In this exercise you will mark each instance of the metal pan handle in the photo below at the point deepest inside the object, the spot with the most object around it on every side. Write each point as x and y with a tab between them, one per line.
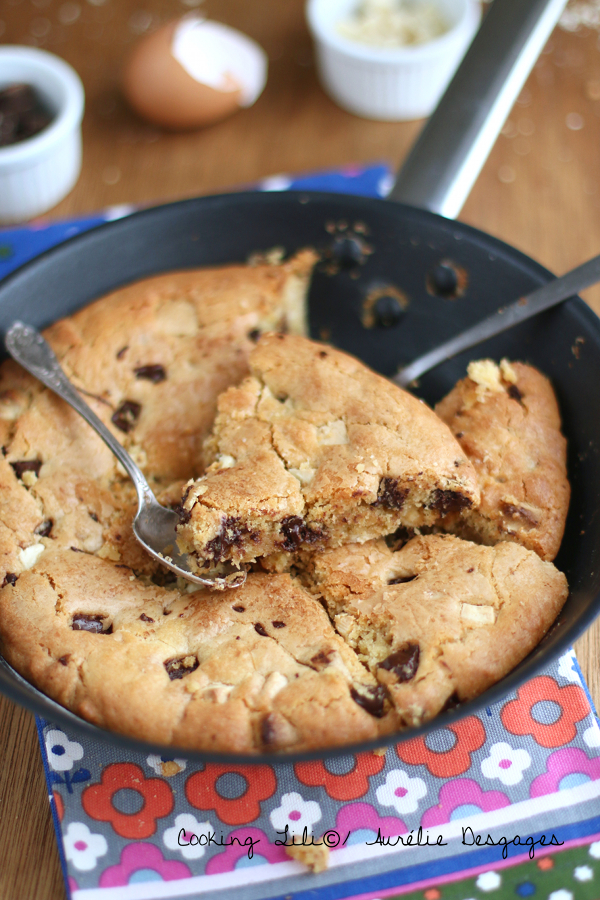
445	161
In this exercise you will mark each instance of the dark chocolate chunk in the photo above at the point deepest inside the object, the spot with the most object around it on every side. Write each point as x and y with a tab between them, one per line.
403	579
145	618
450	501
399	538
451	703
323	354
390	494
184	514
231	535
27	465
371	699
268	732
184	665
278	624
321	659
92	623
154	373
459	435
296	532
22	114
518	512
403	662
239	608
514	393
260	629
10	578
126	415
44	528
254	335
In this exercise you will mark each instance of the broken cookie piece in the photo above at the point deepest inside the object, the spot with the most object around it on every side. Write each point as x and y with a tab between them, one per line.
315	856
440	620
507	422
261	670
315	450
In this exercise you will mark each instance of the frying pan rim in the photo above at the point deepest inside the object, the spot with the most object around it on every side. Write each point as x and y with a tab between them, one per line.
21	691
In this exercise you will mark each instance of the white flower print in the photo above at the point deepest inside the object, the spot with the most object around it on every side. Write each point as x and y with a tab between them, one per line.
583	873
594	850
506	763
488	881
82	848
566	667
194	840
591	735
296	813
61	752
561	895
401	792
165	766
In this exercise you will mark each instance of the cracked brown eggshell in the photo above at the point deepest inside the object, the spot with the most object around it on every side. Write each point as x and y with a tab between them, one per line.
190	73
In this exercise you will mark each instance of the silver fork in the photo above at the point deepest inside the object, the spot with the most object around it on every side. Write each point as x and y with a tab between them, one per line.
542	298
154	525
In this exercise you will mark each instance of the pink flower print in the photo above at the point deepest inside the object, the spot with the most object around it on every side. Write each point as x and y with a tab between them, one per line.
565	768
140	863
461	798
236	855
364	822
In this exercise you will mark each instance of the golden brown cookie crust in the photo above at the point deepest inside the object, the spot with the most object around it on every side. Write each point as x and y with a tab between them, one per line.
440	620
315	450
258	669
507	422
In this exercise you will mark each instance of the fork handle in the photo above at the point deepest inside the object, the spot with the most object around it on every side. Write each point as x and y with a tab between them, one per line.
28	347
545	297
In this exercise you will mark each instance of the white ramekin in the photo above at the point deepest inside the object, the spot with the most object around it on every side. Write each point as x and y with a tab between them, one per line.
38	172
389	83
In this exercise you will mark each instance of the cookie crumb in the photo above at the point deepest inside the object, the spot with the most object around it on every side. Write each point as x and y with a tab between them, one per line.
486	373
107	551
380	751
314	856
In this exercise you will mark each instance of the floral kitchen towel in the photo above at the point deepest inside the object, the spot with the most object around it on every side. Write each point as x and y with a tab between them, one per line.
507	799
501	804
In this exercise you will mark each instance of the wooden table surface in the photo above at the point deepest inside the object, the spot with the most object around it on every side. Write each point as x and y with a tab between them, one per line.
539	190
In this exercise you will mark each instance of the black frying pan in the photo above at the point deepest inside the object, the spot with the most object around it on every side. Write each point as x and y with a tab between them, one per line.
414	255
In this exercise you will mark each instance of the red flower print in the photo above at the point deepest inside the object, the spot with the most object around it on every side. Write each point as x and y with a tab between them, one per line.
157	800
59	805
346	786
468	735
251	785
521	717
